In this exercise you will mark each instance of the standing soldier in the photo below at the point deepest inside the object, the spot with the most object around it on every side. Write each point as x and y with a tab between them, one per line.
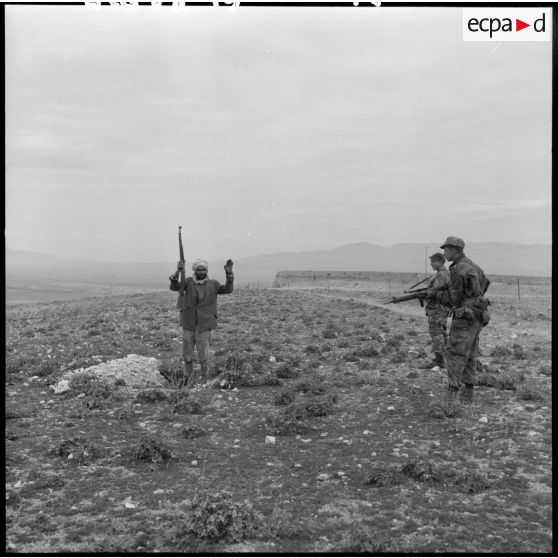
197	302
465	297
437	313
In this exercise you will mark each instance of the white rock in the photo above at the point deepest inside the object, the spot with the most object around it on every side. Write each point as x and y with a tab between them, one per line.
391	408
323	477
61	387
194	463
306	441
435	369
532	433
272	359
159	491
129	505
324	434
297	465
366	432
270	439
80	396
483	419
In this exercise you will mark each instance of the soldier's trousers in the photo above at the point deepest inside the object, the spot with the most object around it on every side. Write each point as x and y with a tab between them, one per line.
196	340
463	351
437	327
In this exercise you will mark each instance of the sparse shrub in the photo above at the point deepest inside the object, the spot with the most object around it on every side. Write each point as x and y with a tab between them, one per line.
510	379
445	408
530	391
469	482
91	385
399	356
394	342
285	397
283	422
545	370
420	471
343	344
77	449
14	364
501	351
310	385
173	371
519	352
312	349
151	396
286	371
192	431
151	448
329	334
120	382
368	351
187	405
380	475
485	378
312	406
363	538
216	517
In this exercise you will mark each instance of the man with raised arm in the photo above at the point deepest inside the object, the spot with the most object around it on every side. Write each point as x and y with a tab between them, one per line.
197	302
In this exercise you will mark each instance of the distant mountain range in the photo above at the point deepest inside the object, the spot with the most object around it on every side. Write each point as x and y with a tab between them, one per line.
494	258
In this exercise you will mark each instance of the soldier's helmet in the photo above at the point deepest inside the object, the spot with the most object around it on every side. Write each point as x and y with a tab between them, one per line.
438	256
453	241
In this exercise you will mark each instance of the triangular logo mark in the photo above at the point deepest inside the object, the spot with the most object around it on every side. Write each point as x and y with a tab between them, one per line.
519	25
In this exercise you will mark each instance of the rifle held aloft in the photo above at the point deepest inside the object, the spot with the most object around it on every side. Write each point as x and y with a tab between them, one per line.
182	260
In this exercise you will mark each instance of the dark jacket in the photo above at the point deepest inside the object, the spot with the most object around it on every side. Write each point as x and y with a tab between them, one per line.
198	303
468	283
441	281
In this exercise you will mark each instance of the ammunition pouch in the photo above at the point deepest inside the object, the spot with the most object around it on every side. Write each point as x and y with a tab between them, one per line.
477	310
464	313
481	309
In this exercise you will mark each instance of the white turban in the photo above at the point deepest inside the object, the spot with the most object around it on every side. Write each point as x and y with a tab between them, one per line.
199	263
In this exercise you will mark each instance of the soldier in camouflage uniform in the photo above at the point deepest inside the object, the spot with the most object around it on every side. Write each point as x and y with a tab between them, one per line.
437	313
465	297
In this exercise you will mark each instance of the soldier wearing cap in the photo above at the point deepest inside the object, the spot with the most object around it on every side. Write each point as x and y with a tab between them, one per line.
437	313
469	308
197	302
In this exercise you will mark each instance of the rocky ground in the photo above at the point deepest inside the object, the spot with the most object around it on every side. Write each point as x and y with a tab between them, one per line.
318	432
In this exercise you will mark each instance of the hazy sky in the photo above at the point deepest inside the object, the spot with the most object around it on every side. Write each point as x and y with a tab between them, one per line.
268	129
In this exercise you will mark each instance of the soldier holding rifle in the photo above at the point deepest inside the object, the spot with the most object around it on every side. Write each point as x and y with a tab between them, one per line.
437	313
197	302
469	307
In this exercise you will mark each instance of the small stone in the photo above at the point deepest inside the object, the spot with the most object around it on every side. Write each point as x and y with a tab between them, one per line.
306	441
194	463
532	433
391	408
323	477
159	491
323	434
80	396
269	439
366	432
297	465
483	419
272	359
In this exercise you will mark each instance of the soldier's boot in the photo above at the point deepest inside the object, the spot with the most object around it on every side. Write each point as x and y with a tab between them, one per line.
204	371
190	376
466	394
440	361
451	394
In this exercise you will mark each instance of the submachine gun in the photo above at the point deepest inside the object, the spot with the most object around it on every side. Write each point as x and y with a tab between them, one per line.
410	294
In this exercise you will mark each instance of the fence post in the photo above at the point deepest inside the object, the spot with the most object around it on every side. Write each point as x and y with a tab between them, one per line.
518	292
